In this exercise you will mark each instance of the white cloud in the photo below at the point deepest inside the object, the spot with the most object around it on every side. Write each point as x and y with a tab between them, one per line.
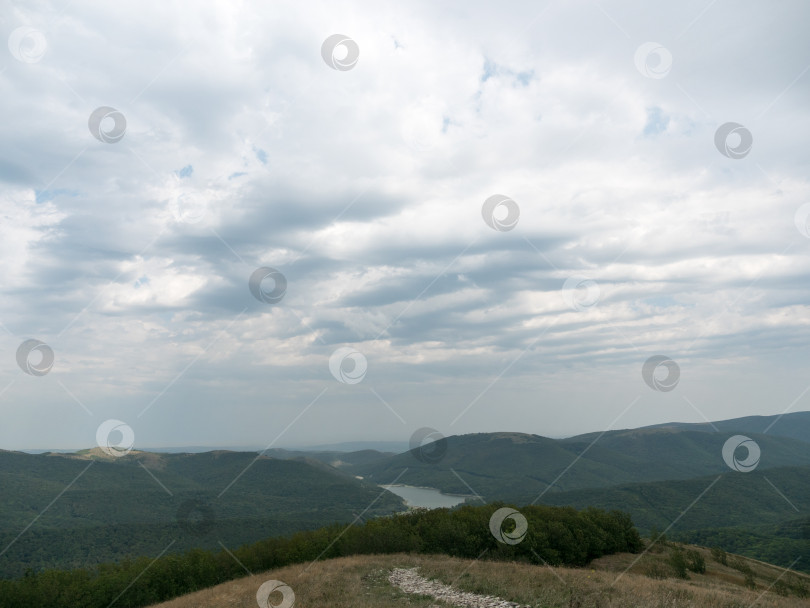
364	187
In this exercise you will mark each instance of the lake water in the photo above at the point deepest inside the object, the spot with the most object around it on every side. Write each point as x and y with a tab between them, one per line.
429	498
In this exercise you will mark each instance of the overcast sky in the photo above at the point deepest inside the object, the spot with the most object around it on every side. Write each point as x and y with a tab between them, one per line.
236	138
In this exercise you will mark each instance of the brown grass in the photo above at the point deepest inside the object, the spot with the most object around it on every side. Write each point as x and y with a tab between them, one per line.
361	582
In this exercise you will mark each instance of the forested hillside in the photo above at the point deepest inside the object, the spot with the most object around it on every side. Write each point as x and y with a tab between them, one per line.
514	466
553	535
145	503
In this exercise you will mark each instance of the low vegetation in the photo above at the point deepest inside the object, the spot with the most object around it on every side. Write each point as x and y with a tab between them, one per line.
616	581
556	536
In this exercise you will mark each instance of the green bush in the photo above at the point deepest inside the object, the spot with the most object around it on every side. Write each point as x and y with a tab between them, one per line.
781	588
741	565
749	580
695	561
678	563
744	567
656	569
720	556
797	585
657	537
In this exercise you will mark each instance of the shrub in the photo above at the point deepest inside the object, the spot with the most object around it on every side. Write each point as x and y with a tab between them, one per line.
655	569
658	539
744	567
720	556
695	561
781	588
749	580
740	564
677	561
797	585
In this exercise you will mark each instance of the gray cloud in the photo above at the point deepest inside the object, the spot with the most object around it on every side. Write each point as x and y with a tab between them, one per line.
364	188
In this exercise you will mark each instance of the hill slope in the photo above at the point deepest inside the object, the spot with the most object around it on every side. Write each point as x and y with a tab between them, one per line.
763	514
513	466
362	582
795	425
551	535
725	500
138	504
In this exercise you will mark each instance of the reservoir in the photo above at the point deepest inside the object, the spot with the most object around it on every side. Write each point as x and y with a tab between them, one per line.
429	498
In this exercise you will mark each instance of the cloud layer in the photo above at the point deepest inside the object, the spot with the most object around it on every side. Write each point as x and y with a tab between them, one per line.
243	148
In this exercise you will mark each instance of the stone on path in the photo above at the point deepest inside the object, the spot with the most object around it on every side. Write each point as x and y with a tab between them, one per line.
409	581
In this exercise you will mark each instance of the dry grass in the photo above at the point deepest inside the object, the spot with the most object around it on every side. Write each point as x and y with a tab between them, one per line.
361	582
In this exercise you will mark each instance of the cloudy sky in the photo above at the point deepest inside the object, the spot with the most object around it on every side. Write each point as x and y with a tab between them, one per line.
154	155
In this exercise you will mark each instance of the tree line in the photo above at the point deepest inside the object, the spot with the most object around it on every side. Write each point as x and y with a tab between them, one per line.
555	536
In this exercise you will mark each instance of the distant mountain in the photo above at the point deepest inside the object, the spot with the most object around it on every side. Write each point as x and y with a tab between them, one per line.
140	503
197	449
392	447
336	459
395	447
795	425
514	466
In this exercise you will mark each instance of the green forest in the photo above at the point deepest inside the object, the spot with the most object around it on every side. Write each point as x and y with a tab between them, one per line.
117	509
785	544
555	536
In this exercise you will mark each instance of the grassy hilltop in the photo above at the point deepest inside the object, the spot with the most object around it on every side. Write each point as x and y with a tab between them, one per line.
362	582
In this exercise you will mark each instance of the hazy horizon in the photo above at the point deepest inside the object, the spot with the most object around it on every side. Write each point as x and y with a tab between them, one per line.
312	224
403	443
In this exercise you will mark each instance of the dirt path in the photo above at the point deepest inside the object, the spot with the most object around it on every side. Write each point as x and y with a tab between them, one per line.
410	582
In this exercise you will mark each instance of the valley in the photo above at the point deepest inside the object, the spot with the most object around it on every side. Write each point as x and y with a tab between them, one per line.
671	480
